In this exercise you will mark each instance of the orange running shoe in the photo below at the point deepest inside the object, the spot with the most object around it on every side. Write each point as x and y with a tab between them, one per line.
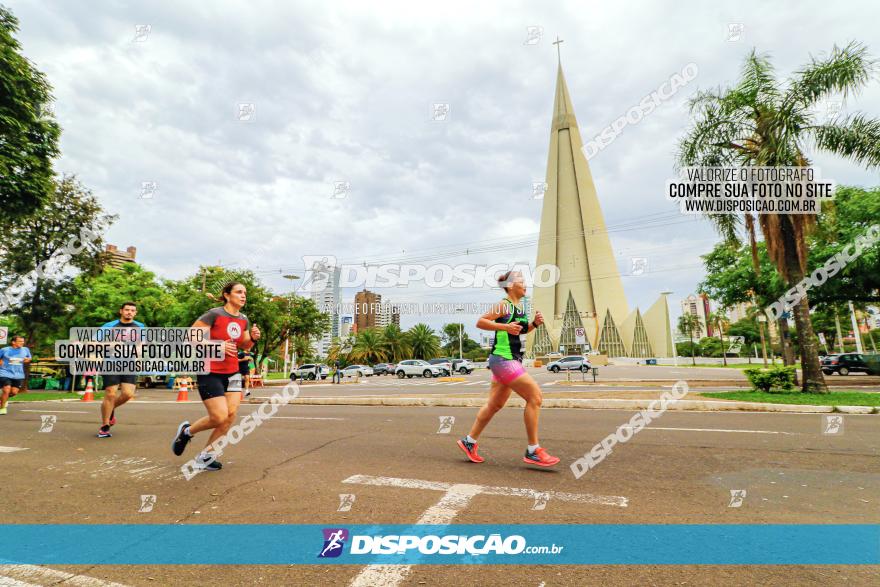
470	449
540	458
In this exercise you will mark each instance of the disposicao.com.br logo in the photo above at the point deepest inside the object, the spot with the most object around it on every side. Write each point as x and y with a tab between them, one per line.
448	544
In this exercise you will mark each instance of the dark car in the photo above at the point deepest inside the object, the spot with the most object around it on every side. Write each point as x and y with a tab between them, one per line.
844	364
383	369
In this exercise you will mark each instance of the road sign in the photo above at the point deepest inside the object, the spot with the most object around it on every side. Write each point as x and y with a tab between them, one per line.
580	335
736	343
4	335
822	339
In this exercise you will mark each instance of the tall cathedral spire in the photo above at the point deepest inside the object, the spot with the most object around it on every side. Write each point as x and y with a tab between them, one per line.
573	235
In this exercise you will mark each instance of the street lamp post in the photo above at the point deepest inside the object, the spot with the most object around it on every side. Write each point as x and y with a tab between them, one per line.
457	311
289	277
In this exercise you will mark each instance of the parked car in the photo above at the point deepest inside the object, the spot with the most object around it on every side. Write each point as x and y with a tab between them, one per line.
416	368
357	370
384	368
152	380
462	366
445	366
310	371
844	364
569	363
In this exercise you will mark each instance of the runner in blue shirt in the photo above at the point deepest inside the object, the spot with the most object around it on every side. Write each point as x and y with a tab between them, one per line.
128	383
12	361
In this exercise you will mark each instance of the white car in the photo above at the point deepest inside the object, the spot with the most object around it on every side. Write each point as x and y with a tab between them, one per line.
357	370
310	371
416	368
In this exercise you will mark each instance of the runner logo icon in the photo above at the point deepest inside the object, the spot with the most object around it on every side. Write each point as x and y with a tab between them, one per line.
334	541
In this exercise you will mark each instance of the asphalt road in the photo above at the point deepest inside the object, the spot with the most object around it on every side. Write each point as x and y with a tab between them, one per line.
293	469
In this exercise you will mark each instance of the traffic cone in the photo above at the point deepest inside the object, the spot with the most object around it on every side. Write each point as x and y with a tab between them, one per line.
89	395
183	392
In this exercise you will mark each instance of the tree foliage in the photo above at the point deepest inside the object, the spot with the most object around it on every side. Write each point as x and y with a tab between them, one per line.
28	130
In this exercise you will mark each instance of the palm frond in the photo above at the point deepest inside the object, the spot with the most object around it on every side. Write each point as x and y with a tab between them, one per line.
845	70
758	83
857	137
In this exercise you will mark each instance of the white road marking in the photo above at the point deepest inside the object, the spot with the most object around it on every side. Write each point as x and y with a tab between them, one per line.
304	418
455	498
11	448
43	575
721	430
55	411
10	582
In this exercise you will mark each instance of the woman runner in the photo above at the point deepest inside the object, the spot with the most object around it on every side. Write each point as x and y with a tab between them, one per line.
221	388
509	320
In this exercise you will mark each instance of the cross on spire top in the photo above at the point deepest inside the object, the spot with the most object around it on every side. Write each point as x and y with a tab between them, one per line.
557	43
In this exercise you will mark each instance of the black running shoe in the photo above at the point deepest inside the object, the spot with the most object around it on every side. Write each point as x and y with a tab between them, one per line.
208	464
104	432
181	440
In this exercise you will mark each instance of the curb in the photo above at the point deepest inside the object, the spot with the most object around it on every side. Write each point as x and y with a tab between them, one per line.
592	404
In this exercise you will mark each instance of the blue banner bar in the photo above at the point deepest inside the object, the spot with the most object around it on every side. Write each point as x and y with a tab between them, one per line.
599	544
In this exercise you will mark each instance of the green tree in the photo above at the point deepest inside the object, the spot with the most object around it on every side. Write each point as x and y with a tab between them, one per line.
369	347
65	232
278	317
764	122
98	297
841	223
301	346
719	320
450	336
28	130
423	342
396	343
689	325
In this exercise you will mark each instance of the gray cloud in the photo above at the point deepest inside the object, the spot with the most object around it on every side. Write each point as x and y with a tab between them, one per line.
343	93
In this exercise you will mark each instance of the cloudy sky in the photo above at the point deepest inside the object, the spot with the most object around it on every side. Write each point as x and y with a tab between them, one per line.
343	92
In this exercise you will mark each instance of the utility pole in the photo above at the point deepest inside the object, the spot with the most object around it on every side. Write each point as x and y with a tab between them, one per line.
855	325
839	333
761	319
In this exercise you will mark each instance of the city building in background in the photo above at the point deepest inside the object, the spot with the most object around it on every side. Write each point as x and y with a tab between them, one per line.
738	312
117	258
698	305
325	294
388	314
366	309
345	326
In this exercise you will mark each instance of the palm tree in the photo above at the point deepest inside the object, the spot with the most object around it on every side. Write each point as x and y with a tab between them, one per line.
719	321
301	347
423	342
763	122
341	349
395	343
369	347
688	324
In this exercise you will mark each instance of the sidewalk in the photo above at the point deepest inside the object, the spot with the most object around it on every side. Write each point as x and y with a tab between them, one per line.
574	400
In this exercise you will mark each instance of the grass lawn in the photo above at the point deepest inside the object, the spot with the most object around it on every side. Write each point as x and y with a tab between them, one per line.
278	376
37	396
837	398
